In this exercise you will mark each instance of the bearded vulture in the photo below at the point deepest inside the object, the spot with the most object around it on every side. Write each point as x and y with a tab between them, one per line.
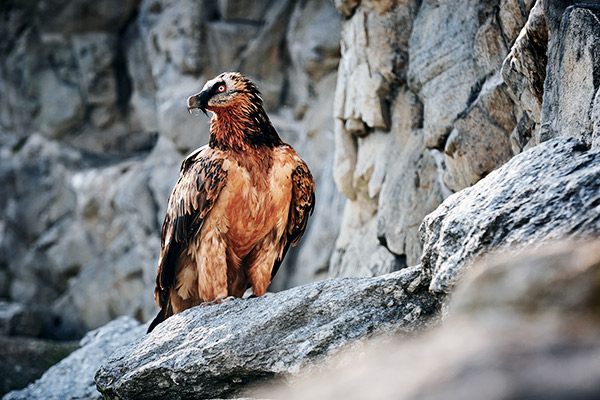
239	203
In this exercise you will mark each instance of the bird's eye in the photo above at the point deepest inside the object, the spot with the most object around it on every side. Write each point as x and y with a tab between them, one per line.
221	88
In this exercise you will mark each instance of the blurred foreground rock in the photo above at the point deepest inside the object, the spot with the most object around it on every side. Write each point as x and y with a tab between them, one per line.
521	326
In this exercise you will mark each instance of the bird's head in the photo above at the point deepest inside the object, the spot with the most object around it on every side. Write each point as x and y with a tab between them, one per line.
239	121
227	90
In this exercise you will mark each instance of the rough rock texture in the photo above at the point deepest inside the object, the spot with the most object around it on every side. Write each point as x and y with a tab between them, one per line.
479	141
93	127
453	50
73	377
420	108
547	193
490	79
377	125
573	77
219	351
524	71
552	74
521	327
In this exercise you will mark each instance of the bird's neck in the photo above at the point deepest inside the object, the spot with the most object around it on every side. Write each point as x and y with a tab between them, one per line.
241	129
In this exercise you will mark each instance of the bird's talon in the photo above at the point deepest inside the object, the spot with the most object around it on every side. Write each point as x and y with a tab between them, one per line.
216	301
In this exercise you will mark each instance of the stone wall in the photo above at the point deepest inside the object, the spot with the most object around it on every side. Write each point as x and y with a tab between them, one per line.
93	127
417	82
432	96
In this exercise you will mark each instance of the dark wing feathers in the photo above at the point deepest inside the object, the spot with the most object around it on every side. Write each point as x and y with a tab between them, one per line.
303	203
200	182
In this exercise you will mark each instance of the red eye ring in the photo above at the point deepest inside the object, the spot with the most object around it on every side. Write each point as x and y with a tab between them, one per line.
221	89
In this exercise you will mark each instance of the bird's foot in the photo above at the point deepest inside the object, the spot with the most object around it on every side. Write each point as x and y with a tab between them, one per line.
218	300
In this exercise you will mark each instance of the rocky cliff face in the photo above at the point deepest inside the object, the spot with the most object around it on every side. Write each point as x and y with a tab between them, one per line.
421	110
94	126
395	105
451	93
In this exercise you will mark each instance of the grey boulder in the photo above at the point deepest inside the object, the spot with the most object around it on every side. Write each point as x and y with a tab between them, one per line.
550	192
218	351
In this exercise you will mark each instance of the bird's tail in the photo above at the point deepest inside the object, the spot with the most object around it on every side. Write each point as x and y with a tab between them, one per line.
163	314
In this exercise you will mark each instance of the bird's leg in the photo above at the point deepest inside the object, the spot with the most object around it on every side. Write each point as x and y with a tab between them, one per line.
219	300
260	264
212	267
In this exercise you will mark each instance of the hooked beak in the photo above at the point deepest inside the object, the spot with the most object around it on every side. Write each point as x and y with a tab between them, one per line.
199	100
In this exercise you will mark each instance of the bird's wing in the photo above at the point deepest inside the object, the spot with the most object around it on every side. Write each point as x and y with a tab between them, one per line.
301	207
203	175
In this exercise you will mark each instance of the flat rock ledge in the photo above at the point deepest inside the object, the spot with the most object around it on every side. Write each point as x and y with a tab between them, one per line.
221	351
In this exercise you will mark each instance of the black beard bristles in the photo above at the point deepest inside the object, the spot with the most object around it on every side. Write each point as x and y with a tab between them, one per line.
196	111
